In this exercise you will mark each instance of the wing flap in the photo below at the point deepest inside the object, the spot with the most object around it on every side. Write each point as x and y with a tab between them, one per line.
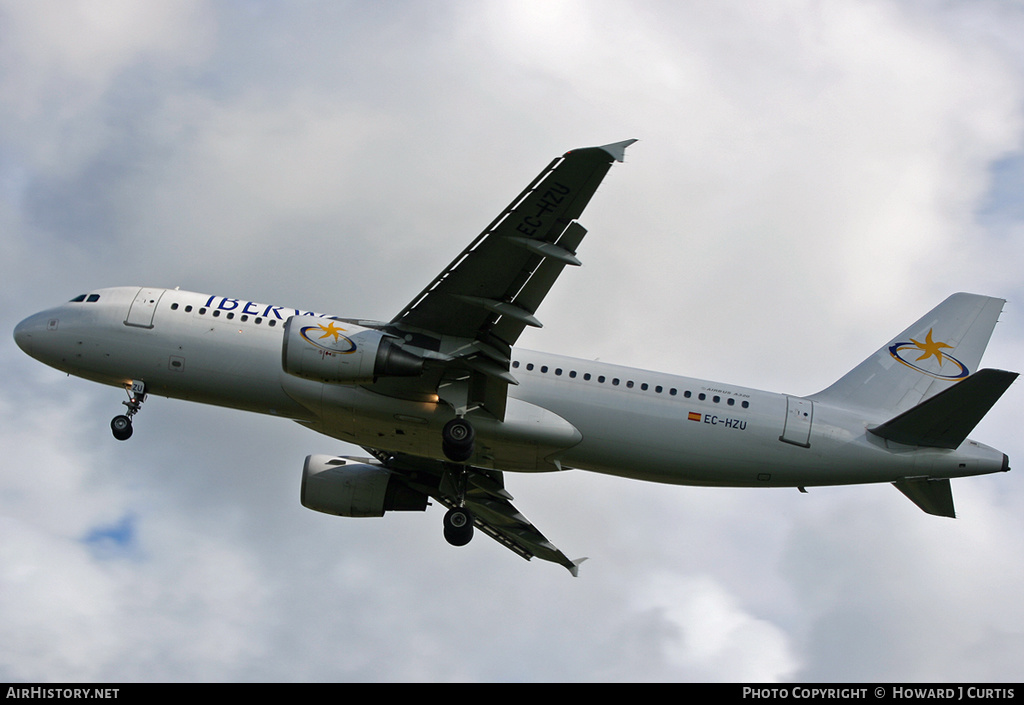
534	291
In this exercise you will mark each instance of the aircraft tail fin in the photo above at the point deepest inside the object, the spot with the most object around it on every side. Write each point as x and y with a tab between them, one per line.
941	349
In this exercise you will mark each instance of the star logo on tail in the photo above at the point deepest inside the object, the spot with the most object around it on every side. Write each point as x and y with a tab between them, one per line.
929	350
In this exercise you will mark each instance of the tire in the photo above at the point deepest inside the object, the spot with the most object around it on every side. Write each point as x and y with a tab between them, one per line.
457	440
121	427
458	526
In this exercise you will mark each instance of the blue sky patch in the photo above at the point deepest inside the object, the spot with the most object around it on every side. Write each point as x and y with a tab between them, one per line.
111	540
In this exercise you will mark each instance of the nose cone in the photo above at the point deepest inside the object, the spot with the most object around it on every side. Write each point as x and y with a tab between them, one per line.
27	332
23	337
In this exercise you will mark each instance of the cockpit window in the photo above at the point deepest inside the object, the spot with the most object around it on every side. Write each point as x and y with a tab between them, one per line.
90	298
78	299
93	297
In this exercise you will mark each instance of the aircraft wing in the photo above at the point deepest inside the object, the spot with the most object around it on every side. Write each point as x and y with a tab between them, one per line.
487	499
475	310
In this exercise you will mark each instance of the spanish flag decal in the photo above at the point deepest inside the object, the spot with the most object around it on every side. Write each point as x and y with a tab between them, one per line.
693	416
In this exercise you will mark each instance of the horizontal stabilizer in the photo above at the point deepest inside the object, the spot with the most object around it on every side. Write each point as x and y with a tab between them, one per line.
944	420
933	496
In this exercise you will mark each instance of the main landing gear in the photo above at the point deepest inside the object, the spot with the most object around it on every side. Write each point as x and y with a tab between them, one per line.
457	443
458	526
121	426
457	439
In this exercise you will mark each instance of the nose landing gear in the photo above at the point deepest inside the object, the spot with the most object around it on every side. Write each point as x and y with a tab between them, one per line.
121	426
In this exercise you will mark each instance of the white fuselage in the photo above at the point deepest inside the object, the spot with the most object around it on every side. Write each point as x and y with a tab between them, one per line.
564	413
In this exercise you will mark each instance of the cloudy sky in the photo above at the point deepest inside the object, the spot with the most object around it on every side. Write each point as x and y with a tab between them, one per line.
810	178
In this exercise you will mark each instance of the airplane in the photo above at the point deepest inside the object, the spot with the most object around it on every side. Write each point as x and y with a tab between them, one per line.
444	403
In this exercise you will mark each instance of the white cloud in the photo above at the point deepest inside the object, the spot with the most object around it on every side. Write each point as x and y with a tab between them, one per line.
706	636
70	57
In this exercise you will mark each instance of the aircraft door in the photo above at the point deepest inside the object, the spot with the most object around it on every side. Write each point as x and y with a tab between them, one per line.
799	415
143	307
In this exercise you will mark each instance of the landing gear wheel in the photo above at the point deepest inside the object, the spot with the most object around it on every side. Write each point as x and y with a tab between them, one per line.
458	526
121	427
457	439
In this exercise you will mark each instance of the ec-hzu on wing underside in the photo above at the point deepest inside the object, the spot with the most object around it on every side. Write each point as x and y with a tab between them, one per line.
469	317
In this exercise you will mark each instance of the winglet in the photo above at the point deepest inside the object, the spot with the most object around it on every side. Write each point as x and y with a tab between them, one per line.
617	150
575	567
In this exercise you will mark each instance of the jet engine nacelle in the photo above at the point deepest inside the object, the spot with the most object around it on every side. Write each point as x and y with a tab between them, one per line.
348	488
328	350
